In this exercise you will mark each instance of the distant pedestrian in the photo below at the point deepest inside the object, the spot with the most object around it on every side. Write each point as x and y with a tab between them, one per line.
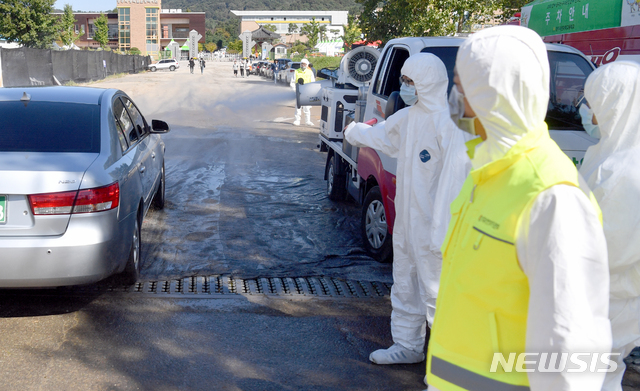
276	70
242	68
235	68
191	64
313	70
202	65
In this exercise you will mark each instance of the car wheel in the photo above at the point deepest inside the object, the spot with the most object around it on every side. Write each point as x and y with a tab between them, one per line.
172	68
131	271
335	181
158	199
375	231
152	69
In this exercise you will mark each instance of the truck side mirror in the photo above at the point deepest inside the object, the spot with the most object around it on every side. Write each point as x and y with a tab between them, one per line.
394	103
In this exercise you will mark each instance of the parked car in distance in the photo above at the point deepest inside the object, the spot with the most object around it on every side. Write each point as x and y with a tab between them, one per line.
286	76
255	68
79	169
169	64
268	70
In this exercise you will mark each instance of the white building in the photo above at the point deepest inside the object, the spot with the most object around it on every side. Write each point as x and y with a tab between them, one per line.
333	20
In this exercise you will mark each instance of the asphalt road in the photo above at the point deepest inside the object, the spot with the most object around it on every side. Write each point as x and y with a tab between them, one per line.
245	198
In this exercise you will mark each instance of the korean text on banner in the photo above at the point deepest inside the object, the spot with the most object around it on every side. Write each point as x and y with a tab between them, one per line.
552	17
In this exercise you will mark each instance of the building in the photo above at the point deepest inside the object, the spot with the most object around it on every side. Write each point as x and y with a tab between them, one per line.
141	24
282	20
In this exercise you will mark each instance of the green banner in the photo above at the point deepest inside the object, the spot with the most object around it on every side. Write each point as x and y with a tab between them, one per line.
551	17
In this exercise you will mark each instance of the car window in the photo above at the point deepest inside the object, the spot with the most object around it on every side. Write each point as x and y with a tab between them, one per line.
388	81
295	66
136	117
125	122
448	56
120	134
568	74
49	127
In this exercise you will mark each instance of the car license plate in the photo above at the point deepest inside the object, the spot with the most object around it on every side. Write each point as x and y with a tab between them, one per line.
3	209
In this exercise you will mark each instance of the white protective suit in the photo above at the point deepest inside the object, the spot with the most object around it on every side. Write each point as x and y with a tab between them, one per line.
611	169
560	244
418	136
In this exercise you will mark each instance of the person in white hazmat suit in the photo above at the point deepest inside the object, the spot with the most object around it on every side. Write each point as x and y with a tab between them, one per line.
418	136
524	261
611	170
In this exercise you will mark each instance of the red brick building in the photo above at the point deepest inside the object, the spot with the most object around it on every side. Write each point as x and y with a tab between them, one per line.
141	24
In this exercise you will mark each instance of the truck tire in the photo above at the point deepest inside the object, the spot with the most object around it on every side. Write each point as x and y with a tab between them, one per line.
335	181
375	232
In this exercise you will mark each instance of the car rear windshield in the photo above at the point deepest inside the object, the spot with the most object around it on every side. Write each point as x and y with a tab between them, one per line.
49	127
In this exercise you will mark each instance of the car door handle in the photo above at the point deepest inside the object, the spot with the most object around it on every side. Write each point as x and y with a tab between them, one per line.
142	169
153	155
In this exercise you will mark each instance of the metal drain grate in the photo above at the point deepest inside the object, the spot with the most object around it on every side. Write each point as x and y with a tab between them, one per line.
223	285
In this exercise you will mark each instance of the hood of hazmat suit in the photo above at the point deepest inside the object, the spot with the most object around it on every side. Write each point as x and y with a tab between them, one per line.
510	96
419	137
611	169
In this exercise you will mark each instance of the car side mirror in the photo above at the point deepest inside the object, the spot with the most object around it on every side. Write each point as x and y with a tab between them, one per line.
394	103
158	126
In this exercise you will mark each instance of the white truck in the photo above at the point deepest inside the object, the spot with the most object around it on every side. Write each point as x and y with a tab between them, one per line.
364	88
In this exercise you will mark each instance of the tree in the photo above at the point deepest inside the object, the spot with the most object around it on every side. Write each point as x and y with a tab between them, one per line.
293	28
29	22
422	17
510	7
68	35
312	32
211	47
352	32
270	27
102	30
235	46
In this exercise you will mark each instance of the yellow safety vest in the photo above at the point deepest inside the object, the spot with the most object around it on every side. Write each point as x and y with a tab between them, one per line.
306	75
483	298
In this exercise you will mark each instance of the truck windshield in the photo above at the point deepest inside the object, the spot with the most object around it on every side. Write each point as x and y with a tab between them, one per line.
568	75
448	56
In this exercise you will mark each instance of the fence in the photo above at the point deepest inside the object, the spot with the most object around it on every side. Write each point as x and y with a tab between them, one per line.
27	67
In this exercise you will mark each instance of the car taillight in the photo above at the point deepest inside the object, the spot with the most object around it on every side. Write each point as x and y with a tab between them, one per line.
81	201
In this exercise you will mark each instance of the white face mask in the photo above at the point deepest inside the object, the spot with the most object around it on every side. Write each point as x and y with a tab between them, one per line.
408	94
587	121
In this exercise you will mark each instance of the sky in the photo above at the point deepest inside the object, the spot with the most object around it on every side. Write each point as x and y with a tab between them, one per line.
87	5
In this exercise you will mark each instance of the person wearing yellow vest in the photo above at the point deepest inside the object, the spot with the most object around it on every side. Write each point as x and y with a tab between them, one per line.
611	169
524	260
306	75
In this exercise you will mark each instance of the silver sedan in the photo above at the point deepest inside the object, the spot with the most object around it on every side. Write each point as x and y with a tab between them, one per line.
79	168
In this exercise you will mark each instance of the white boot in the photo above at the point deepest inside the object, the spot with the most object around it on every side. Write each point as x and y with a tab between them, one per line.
396	354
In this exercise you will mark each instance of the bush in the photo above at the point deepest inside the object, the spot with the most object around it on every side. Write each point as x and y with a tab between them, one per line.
134	51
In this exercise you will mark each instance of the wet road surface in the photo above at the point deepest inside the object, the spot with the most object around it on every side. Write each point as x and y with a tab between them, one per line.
245	188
